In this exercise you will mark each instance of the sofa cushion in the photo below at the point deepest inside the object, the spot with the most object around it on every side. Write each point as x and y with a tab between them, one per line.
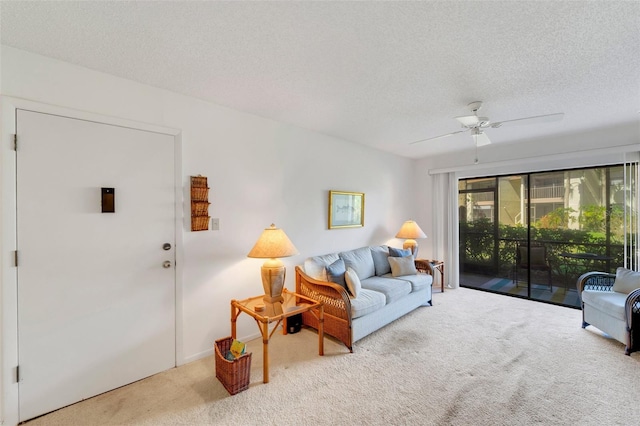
380	255
361	261
418	281
353	282
316	266
626	281
402	266
396	252
610	302
392	288
368	301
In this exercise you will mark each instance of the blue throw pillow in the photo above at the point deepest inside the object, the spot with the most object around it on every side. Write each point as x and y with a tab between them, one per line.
335	272
380	256
394	252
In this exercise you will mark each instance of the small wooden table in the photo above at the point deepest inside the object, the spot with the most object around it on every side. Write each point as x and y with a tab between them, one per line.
576	264
427	266
293	304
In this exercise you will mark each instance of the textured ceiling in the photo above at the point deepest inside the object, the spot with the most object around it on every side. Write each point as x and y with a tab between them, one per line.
381	74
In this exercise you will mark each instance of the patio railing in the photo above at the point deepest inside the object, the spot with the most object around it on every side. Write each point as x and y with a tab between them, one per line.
499	261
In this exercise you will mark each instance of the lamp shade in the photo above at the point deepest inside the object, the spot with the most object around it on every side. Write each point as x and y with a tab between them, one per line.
273	243
410	230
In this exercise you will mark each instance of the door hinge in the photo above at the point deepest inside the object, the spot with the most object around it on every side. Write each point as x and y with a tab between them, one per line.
17	374
15	258
15	142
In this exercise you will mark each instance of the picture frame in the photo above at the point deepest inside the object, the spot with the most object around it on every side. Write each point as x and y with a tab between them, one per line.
346	209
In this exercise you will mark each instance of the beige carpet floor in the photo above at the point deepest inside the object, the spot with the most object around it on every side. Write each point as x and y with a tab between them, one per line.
474	358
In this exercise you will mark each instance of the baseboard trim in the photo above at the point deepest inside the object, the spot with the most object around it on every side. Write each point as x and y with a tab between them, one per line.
209	352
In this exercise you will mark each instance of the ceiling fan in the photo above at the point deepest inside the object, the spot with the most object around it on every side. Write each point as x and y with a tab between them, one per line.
475	124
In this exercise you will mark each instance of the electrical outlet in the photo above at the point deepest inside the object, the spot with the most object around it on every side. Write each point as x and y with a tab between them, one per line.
215	224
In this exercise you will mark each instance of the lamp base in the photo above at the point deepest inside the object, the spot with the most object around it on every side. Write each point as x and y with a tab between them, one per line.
272	309
272	299
411	245
273	274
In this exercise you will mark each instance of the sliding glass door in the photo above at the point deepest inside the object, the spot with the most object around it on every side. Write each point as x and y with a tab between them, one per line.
478	226
532	235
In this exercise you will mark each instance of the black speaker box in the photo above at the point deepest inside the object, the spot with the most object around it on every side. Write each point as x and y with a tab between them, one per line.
294	323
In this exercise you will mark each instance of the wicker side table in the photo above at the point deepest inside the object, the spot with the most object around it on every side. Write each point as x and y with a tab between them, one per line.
428	266
278	312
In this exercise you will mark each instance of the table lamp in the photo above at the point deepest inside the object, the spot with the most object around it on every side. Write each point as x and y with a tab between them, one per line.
410	231
273	244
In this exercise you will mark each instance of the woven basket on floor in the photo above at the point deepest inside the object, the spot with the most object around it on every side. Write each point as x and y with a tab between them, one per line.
234	375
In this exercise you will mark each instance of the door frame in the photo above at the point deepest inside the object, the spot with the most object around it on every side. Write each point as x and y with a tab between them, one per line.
9	389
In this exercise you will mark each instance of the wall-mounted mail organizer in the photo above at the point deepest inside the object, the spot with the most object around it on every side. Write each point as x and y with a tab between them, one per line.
199	203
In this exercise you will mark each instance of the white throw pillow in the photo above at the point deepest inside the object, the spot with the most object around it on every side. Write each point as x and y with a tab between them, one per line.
353	282
626	281
402	266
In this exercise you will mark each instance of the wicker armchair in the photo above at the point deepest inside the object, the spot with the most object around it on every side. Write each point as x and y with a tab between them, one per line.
625	329
337	306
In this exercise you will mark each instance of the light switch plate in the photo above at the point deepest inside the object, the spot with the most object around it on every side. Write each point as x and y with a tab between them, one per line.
215	224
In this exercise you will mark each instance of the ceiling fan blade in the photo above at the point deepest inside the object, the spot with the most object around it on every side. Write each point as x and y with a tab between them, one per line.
438	137
471	121
468	120
547	118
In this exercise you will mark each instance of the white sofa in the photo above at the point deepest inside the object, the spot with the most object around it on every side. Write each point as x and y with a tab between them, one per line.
611	303
384	290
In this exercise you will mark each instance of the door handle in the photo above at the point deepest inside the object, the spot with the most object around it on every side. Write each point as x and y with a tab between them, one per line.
166	264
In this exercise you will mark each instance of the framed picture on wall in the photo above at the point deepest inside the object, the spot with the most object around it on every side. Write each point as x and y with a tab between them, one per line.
346	209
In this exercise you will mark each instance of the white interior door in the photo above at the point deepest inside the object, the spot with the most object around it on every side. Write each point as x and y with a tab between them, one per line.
96	305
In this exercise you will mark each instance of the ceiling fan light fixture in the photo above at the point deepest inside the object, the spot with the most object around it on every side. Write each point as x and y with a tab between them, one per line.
475	132
479	137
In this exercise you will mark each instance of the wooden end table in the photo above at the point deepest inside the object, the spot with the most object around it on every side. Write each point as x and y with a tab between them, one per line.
293	304
428	266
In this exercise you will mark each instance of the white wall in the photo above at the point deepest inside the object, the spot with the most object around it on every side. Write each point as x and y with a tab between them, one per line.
260	171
